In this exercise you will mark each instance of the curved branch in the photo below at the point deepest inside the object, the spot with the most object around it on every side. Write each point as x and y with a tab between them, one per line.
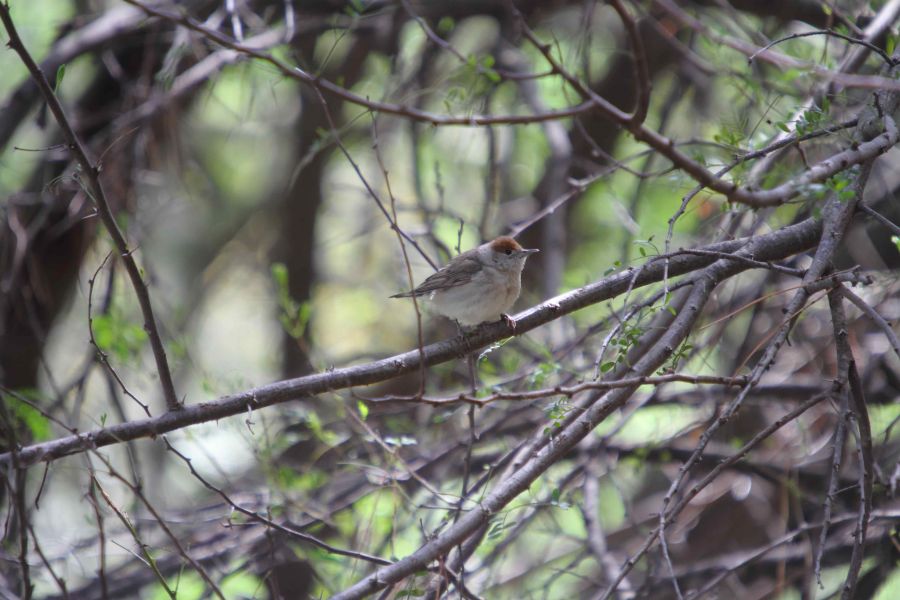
884	56
642	82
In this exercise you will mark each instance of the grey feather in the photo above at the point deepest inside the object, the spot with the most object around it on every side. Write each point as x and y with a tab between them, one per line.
463	268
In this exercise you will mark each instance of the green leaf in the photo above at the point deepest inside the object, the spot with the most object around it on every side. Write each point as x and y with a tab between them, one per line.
446	25
280	275
539	375
492	75
103	331
497	529
37	424
294	315
115	335
363	409
60	74
356	8
241	584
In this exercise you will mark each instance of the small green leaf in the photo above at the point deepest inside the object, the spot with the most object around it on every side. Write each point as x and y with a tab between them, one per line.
60	74
37	423
446	25
496	529
294	315
115	335
356	8
845	195
280	274
363	409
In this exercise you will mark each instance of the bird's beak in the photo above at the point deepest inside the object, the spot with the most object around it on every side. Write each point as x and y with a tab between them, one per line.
527	251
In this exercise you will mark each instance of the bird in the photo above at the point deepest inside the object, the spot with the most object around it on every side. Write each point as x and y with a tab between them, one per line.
479	285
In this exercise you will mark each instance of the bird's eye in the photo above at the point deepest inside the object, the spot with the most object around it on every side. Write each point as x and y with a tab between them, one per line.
508	252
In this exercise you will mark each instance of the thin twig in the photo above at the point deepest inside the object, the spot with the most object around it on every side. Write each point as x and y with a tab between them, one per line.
829	32
870	312
895	229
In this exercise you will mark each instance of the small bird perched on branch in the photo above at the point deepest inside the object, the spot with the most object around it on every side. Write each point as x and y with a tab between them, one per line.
478	285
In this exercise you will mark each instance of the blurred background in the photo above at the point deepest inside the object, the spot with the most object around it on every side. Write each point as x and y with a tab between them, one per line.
264	215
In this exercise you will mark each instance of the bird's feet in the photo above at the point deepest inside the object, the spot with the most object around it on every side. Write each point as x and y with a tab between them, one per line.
508	320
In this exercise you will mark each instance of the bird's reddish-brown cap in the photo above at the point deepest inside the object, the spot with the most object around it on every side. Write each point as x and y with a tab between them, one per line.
506	245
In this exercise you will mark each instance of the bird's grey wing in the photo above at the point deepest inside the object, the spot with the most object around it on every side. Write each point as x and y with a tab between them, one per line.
463	269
